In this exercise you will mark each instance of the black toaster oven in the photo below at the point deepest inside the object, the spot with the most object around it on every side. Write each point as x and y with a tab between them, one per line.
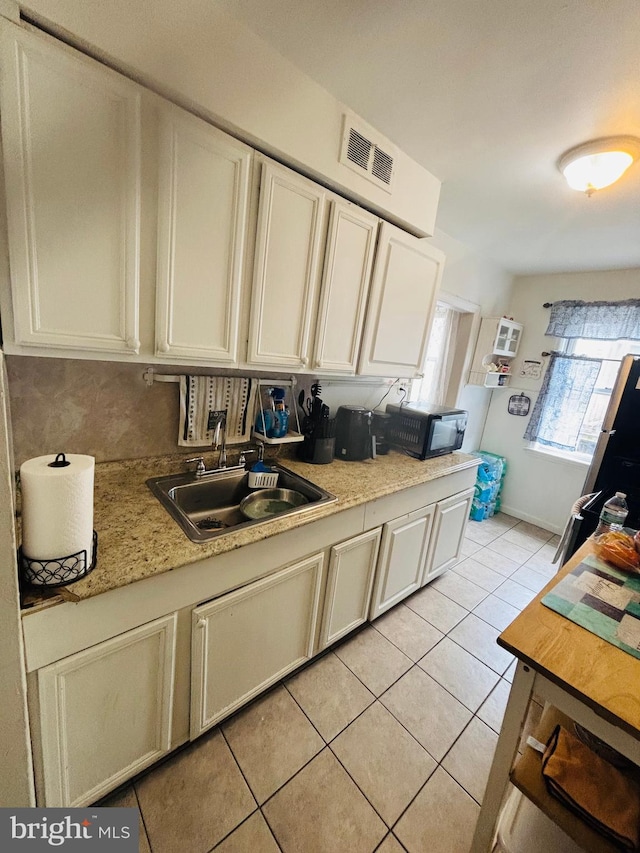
424	430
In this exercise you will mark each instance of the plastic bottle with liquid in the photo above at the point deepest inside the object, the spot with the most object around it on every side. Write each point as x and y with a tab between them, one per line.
280	414
613	514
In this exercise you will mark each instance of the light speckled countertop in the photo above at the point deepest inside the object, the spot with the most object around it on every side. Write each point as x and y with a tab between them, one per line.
138	538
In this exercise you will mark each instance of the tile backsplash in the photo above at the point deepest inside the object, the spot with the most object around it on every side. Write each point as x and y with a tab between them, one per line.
106	409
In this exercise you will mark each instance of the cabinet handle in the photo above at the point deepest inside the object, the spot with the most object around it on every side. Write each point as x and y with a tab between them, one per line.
163	346
133	344
304	360
202	623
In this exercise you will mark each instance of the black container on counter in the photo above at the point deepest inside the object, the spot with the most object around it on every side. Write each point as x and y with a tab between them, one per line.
379	428
318	451
354	438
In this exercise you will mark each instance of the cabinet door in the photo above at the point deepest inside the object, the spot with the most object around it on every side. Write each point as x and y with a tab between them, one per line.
247	640
402	559
448	531
405	282
507	337
203	204
345	285
287	268
105	713
71	137
352	566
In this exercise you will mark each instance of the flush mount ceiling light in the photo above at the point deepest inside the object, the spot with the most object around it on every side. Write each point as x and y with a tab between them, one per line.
598	163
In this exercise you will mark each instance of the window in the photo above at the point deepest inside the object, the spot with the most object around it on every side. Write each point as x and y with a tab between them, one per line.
571	431
454	323
437	366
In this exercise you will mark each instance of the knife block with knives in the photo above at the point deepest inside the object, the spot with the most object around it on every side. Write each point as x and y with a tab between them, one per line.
318	429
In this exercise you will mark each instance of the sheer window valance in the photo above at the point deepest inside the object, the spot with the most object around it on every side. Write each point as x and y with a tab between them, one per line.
566	389
601	321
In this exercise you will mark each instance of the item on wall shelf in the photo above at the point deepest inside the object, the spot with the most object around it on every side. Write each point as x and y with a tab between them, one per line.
489	480
531	368
276	418
519	404
201	395
496	347
58	540
273	421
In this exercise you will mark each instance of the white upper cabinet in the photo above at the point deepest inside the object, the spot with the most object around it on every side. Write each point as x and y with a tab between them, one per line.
71	138
346	277
405	283
289	241
203	199
507	338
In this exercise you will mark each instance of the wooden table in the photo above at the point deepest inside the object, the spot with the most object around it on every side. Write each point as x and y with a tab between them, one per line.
585	677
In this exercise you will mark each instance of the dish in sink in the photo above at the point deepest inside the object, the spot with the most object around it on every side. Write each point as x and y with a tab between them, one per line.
209	506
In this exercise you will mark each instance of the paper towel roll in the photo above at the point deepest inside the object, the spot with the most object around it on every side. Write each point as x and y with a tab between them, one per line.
57	507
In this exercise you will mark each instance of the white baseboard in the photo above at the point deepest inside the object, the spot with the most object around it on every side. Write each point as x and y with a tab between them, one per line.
532	519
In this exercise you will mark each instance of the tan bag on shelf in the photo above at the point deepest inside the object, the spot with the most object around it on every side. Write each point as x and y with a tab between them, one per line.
600	794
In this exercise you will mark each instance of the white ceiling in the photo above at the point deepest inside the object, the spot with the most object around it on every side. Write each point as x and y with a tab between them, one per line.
487	94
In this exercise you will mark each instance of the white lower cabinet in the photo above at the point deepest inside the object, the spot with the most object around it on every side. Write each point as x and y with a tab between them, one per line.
102	714
105	713
449	524
402	559
244	641
352	566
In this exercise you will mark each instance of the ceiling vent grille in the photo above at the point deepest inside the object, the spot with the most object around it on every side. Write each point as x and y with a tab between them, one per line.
358	149
365	156
382	166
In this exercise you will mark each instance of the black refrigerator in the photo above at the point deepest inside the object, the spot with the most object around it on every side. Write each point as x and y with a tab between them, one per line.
616	460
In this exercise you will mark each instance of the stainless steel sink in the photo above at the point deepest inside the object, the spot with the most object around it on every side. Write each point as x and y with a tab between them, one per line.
209	506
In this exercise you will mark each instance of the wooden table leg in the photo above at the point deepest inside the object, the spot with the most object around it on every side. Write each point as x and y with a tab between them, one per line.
503	758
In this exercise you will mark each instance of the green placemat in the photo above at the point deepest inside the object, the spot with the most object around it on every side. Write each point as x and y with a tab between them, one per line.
602	600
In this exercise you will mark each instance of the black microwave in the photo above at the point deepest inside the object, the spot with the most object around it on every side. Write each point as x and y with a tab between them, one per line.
424	430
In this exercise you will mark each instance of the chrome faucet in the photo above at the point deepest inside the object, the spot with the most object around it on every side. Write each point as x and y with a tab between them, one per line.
218	421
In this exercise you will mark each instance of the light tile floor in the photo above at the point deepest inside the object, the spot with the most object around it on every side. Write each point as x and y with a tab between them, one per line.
382	744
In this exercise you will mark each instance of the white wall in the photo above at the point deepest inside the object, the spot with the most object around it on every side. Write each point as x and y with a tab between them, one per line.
482	282
538	488
206	60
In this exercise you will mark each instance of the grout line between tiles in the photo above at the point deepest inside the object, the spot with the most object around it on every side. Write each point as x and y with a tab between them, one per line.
233	755
442	592
146	831
457	781
345	727
361	791
364	684
395	645
243	821
270	828
444	687
498	672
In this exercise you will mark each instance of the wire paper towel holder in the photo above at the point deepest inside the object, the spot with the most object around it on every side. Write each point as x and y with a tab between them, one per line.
59	571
